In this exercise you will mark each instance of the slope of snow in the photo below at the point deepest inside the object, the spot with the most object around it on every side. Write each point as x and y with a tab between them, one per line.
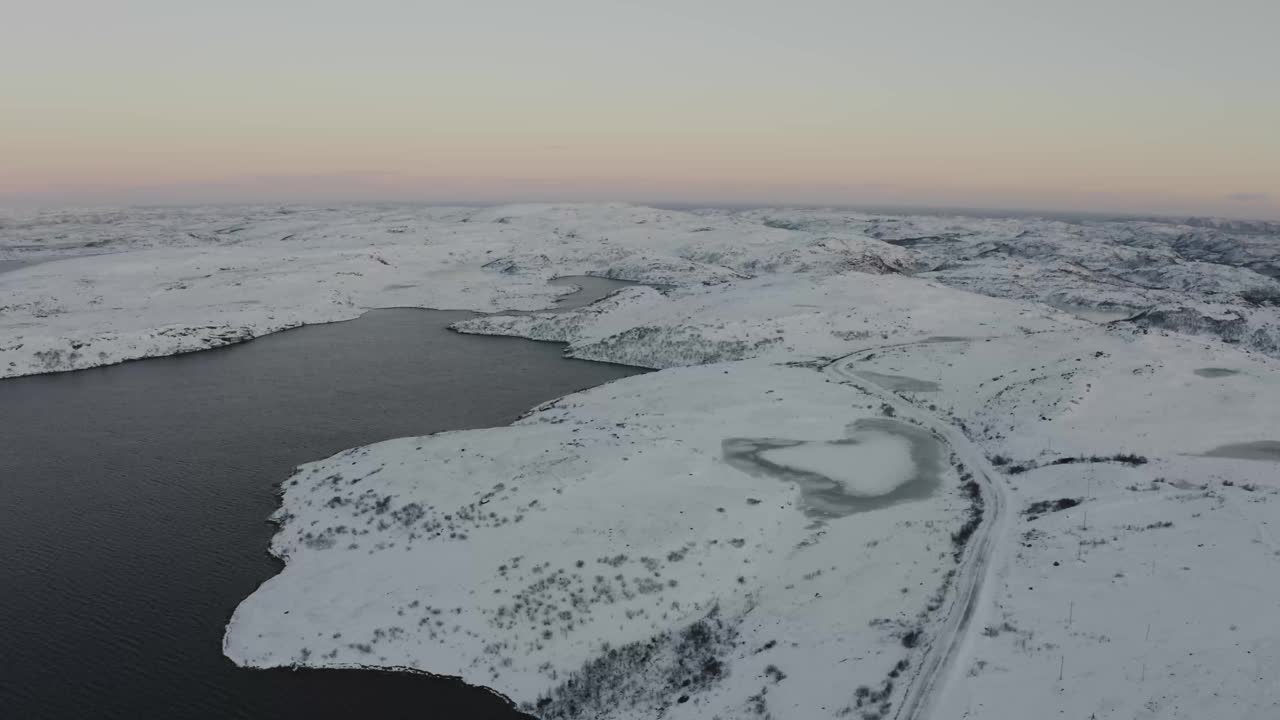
782	317
182	280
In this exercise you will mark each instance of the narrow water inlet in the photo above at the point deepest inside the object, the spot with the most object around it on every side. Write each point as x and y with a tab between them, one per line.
590	289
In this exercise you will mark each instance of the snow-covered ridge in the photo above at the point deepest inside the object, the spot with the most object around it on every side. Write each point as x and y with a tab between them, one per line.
758	530
781	317
162	281
1184	276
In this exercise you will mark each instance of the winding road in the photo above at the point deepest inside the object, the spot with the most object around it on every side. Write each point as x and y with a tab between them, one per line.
951	638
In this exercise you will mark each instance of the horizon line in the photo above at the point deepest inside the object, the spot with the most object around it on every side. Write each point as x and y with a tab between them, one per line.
961	210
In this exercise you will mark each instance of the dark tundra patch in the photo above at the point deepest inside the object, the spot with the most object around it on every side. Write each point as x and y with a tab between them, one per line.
645	677
1043	507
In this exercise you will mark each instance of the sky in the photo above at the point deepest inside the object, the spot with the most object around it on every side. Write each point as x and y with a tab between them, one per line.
1127	106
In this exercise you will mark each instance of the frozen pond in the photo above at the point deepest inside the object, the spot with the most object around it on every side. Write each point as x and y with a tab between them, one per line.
1215	372
11	265
898	383
590	289
1259	450
134	499
880	463
7	266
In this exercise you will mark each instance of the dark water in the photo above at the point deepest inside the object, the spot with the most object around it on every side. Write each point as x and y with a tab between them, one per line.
589	289
134	498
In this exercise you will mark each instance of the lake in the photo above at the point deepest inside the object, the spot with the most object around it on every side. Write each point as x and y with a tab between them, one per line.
134	501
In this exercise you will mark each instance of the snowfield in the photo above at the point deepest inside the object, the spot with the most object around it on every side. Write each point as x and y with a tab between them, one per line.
1134	567
893	466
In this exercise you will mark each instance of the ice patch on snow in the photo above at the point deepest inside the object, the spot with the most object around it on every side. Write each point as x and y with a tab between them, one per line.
881	462
900	383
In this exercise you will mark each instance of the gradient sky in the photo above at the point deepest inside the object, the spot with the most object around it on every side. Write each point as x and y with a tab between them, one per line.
1161	106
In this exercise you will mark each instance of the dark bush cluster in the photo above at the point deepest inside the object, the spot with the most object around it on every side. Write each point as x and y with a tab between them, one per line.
649	676
1042	507
973	517
1130	459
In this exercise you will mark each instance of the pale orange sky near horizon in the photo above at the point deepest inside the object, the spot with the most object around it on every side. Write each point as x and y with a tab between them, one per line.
1133	106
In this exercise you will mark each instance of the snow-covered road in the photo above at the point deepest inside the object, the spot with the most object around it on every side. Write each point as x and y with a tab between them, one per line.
949	648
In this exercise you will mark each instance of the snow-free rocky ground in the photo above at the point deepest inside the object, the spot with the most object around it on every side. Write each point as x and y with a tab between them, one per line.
893	466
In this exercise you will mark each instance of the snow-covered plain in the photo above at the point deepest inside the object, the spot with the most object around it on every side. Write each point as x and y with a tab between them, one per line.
893	466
